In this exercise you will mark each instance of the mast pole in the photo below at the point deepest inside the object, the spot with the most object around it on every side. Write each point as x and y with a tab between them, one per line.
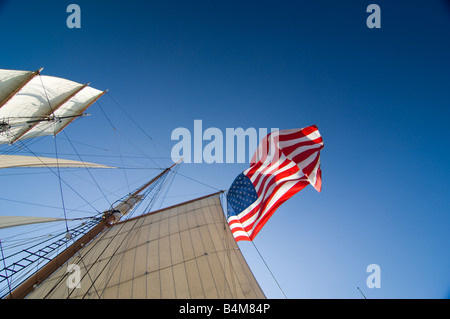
42	274
154	179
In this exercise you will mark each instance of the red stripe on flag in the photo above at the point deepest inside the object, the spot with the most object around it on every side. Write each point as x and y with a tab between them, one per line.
271	182
295	189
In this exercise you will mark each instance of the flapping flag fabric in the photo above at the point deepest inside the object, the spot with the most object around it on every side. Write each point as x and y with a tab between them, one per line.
285	162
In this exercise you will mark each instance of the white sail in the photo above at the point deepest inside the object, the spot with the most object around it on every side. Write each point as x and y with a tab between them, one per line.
13	221
184	251
10	161
33	105
11	81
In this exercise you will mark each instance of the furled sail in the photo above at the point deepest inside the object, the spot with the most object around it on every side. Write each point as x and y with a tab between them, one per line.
33	105
184	251
9	161
13	221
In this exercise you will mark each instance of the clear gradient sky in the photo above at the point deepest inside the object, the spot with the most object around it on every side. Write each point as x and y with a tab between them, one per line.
380	98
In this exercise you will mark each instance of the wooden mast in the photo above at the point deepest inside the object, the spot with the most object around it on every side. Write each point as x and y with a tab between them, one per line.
109	219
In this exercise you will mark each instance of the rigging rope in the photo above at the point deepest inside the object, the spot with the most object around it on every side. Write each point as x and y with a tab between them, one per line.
265	263
116	141
56	153
42	205
4	267
170	184
135	123
158	183
146	156
114	127
273	276
114	253
121	160
88	170
60	185
24	145
59	177
192	179
38	250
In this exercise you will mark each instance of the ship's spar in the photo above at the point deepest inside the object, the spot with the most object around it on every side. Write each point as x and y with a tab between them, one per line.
183	251
109	218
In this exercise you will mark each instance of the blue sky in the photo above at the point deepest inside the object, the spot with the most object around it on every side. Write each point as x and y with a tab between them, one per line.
379	97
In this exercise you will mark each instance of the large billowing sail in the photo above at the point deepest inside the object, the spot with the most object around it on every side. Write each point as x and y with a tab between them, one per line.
9	161
33	105
184	251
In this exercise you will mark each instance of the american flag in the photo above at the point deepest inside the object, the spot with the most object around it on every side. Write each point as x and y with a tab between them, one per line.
285	162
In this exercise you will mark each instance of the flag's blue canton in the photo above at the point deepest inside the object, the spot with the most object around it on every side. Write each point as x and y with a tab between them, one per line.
241	194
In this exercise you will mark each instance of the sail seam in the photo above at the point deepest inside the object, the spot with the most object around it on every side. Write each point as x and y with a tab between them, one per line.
157	183
174	233
165	218
170	207
192	240
203	246
146	273
122	253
